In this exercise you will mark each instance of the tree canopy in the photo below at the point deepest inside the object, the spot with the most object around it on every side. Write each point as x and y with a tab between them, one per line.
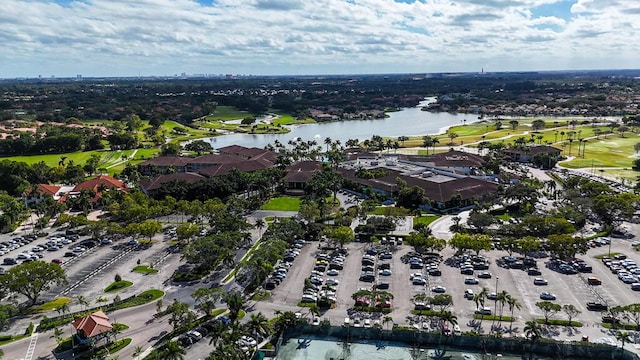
33	278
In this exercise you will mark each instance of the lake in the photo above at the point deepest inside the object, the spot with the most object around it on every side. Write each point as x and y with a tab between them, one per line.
406	122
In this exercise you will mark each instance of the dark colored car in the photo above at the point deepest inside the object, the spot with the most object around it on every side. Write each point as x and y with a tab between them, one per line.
534	272
596	306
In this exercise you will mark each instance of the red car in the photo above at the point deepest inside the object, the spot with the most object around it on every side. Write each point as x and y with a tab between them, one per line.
57	261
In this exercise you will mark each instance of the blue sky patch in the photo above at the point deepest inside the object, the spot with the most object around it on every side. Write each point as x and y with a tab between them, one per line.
561	9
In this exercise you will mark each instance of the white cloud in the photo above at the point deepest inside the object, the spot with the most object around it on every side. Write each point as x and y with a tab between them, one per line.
155	37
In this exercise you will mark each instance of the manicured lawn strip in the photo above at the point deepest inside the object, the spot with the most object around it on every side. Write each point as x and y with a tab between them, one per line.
493	317
599	257
145	269
118	285
389	211
218	312
282	203
52	305
632	327
4	340
559	322
424	219
119	327
244	259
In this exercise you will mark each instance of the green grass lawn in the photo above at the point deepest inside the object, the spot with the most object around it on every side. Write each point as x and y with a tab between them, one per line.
225	113
145	269
283	203
52	305
425	219
118	285
614	151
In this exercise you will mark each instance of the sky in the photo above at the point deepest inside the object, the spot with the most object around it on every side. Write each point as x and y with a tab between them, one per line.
64	38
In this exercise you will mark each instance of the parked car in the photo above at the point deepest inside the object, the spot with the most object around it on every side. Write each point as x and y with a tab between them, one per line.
471	281
547	296
385	272
439	289
468	294
418	281
597	306
484	310
540	281
332	282
534	272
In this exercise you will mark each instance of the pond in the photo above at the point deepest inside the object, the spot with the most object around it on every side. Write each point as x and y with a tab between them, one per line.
406	122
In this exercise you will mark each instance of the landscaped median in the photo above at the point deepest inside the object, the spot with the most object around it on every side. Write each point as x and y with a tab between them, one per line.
140	299
242	261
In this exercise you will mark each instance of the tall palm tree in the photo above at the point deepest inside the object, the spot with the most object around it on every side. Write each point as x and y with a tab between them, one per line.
532	330
502	299
479	299
623	337
513	304
260	224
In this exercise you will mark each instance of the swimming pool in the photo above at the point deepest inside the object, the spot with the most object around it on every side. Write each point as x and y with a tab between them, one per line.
316	348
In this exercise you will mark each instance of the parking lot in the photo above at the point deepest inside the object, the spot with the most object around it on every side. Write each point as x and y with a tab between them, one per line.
568	288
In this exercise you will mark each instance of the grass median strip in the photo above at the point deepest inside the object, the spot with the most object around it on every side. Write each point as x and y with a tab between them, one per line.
118	285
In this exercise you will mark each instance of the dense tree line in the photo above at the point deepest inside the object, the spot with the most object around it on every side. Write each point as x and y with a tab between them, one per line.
51	139
258	184
18	176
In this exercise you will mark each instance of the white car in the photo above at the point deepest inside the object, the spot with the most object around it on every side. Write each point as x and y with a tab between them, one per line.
247	341
332	282
333	272
540	281
316	321
471	281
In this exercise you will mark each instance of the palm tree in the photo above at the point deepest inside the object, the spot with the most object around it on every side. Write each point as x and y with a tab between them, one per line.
532	330
260	224
258	324
327	141
623	337
172	351
137	351
449	317
478	299
513	304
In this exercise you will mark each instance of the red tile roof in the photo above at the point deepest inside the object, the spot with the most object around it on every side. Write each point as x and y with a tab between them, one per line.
156	183
176	161
47	189
93	324
93	184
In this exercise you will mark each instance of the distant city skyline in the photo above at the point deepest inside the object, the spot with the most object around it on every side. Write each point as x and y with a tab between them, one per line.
105	38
